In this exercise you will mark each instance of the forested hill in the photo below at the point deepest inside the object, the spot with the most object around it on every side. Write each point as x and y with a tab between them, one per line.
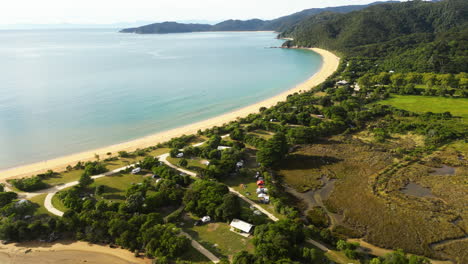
278	24
411	36
168	27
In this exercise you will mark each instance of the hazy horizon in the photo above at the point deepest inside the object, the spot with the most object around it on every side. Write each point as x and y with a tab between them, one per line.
24	14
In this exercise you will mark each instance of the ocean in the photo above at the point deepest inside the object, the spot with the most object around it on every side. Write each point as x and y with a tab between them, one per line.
67	91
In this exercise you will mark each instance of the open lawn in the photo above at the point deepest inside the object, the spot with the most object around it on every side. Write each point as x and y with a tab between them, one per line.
421	104
116	185
217	237
194	164
57	203
64	177
262	133
39	200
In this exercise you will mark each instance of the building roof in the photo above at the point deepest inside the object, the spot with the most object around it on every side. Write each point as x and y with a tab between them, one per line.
223	147
241	225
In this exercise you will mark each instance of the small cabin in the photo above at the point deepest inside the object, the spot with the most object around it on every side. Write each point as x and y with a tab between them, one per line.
342	82
240	227
223	147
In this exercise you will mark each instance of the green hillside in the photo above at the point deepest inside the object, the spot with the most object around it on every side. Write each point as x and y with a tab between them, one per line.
410	36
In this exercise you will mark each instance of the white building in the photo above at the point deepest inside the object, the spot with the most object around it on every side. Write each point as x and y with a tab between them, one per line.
241	227
223	147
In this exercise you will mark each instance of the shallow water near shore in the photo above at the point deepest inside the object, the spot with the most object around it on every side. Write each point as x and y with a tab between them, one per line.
67	91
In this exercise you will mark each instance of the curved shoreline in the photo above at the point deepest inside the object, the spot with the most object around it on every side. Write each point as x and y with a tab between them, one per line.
330	63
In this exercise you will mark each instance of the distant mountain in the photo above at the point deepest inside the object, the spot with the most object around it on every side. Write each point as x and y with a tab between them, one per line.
278	24
168	27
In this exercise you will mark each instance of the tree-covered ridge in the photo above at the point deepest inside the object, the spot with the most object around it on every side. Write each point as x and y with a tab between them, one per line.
167	27
411	36
278	24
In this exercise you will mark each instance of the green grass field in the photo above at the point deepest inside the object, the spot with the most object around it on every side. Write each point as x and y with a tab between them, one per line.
193	164
39	200
217	237
421	104
116	185
262	133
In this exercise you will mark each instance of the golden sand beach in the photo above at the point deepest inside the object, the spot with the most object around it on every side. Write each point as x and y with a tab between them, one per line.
66	252
329	65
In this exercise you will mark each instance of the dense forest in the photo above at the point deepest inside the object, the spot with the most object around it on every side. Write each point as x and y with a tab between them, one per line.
411	36
278	24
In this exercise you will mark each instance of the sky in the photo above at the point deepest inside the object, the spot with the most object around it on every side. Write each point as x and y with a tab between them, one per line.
128	11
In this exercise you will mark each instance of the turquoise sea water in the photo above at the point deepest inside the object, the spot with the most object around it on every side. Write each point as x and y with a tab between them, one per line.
63	92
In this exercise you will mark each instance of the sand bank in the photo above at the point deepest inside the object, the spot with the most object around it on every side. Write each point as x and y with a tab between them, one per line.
66	252
329	65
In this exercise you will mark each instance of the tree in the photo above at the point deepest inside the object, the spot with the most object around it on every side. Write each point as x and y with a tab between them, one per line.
7	197
205	197
274	150
230	208
398	79
382	78
430	79
237	134
366	80
243	257
183	163
302	135
123	154
99	190
149	162
85	180
173	153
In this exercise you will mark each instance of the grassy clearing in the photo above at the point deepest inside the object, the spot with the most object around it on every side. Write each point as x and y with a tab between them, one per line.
217	238
64	177
194	164
57	203
262	133
421	104
39	200
116	185
339	257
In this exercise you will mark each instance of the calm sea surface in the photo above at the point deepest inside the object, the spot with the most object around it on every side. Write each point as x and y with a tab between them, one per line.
66	91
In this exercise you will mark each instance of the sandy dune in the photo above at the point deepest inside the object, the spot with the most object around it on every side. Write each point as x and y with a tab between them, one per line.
329	66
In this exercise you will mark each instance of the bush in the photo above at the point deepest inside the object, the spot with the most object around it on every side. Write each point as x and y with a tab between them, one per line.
123	154
318	217
183	163
29	184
